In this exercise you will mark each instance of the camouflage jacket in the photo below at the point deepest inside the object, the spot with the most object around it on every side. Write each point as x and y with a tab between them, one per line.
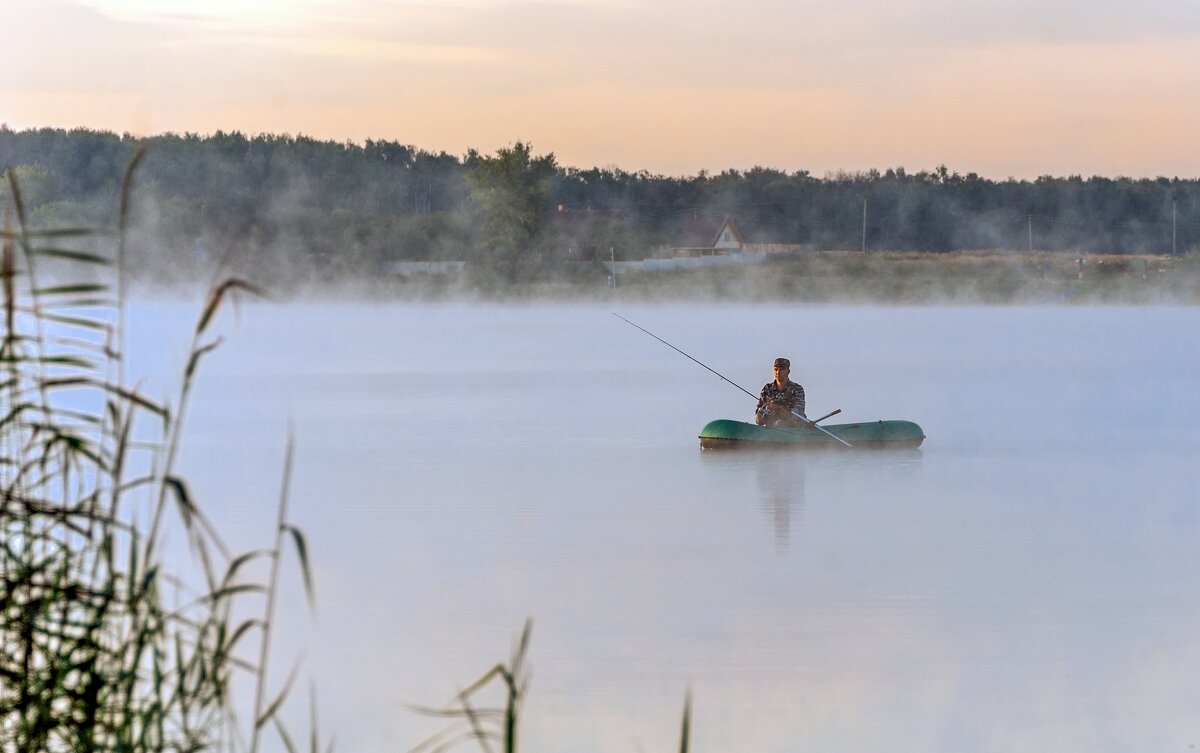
791	396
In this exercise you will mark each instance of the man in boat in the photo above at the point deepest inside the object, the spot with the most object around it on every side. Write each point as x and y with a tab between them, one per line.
781	399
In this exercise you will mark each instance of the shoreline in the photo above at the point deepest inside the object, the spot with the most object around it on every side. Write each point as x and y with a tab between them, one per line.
830	277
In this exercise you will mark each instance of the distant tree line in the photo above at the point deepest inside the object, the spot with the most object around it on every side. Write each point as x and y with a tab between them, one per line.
275	203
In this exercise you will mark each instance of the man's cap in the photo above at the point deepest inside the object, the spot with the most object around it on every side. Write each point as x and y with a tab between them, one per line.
783	362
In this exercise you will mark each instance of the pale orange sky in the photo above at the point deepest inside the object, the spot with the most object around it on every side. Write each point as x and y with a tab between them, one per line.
1030	88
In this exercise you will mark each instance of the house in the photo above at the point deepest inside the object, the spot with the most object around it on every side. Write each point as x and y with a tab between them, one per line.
701	235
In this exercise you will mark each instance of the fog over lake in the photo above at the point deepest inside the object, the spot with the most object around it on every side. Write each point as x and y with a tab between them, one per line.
1028	581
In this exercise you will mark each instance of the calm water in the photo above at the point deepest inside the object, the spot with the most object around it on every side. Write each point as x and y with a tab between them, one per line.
1029	580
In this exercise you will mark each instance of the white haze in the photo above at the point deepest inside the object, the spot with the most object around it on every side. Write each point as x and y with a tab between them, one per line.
1025	583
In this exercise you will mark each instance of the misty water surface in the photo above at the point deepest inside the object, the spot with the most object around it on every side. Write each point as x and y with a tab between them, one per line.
1029	580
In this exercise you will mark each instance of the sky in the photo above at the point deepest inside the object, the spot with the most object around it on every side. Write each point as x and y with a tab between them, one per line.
1015	89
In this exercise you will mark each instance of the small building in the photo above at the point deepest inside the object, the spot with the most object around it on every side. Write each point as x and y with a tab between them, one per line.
702	235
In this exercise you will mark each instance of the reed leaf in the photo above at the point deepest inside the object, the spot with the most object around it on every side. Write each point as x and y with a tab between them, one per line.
87	303
130	396
279	699
225	288
74	321
67	232
305	570
476	728
187	510
77	289
454	713
224	592
76	362
15	413
314	739
288	745
148	579
77	343
191	513
686	733
237	562
136	483
198	353
239	632
497	671
80	416
71	254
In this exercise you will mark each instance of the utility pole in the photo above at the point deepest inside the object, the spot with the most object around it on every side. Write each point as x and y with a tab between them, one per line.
864	229
1029	220
613	256
1174	214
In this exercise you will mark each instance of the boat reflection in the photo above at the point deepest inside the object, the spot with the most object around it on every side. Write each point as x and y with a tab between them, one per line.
781	488
779	485
781	478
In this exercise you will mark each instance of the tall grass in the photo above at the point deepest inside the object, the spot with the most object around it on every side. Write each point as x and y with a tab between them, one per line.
106	642
492	726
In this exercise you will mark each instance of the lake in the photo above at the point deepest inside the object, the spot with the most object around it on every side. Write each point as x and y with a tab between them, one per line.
1028	581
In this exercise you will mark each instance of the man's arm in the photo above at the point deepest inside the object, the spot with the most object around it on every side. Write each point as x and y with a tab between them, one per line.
798	401
763	409
798	405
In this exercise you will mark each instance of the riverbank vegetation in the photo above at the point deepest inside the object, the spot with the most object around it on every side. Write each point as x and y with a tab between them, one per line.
952	278
299	214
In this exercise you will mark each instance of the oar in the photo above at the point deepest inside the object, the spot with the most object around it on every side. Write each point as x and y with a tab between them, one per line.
827	415
814	425
822	429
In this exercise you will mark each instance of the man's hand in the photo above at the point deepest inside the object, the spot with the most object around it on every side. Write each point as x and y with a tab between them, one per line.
797	416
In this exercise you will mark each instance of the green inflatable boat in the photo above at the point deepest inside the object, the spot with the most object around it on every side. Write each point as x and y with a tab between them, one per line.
725	433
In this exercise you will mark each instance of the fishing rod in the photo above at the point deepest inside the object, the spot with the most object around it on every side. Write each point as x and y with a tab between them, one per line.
735	384
685	355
